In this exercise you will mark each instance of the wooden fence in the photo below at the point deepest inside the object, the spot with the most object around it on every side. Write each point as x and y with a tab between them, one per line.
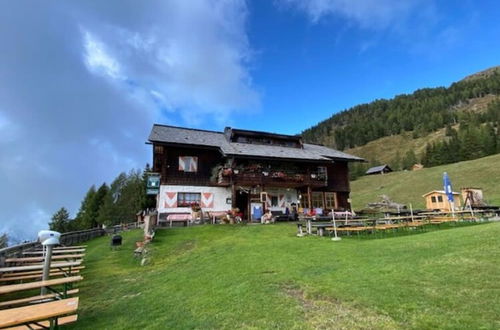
69	238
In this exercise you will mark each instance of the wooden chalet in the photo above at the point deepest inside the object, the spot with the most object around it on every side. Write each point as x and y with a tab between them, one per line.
253	171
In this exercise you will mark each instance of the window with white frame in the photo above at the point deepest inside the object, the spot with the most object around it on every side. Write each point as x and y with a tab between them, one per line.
185	199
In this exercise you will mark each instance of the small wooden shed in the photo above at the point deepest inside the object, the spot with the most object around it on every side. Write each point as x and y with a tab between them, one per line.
379	170
437	199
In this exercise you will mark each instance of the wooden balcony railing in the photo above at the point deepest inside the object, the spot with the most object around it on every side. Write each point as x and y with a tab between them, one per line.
278	179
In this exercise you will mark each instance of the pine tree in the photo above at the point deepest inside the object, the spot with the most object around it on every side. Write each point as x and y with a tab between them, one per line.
409	160
84	218
4	240
60	221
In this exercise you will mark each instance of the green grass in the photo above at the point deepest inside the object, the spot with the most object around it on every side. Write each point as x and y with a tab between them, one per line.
262	277
409	186
385	149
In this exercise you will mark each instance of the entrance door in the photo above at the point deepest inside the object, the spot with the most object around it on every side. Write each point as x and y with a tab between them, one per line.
242	203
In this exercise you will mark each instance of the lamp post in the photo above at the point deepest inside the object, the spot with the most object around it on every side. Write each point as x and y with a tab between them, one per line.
48	238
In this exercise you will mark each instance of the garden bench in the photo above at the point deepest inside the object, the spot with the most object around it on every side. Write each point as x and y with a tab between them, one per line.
184	218
49	313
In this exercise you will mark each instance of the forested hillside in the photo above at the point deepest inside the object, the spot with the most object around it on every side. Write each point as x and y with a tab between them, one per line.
468	113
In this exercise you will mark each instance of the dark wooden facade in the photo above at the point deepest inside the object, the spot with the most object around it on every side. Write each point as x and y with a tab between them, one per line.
304	176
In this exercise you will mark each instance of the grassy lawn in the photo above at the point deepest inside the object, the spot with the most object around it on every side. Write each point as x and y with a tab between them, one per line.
212	277
408	187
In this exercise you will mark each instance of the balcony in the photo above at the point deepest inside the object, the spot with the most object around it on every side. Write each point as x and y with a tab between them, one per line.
272	178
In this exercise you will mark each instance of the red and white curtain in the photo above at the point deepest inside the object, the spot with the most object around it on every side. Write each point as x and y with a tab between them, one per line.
188	164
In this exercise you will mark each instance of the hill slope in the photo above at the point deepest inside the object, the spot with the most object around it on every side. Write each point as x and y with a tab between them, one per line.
264	277
421	112
409	186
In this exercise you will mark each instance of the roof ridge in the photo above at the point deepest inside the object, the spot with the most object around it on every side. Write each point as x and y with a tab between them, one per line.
189	129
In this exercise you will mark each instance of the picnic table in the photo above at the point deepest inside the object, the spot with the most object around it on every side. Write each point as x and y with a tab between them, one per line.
21	276
59	265
67	283
70	246
37	252
39	259
46	315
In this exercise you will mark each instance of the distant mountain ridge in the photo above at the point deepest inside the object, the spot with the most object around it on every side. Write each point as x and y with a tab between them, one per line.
430	116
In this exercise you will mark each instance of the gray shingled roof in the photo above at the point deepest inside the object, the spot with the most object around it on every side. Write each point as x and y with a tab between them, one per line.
377	169
179	135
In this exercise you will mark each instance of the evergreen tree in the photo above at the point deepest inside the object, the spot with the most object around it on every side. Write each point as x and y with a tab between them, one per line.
109	213
84	218
97	203
396	163
409	160
4	240
60	221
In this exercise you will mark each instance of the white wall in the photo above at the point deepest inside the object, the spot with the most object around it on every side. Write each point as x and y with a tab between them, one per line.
291	196
220	195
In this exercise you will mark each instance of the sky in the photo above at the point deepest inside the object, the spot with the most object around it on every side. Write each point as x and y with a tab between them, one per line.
82	82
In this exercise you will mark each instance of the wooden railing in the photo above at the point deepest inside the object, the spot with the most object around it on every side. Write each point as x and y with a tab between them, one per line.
276	179
69	238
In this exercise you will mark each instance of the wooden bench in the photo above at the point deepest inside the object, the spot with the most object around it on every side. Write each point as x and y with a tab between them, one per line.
46	324
39	266
50	312
39	272
438	220
42	298
70	247
38	252
356	229
40	259
65	281
35	276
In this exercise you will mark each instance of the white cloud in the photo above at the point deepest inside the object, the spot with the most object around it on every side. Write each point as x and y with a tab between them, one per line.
82	82
97	58
376	14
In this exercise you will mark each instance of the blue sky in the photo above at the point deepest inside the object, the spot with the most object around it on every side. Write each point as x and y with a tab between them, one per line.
310	69
81	83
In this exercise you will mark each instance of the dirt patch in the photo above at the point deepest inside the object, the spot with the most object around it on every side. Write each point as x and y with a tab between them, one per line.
331	313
